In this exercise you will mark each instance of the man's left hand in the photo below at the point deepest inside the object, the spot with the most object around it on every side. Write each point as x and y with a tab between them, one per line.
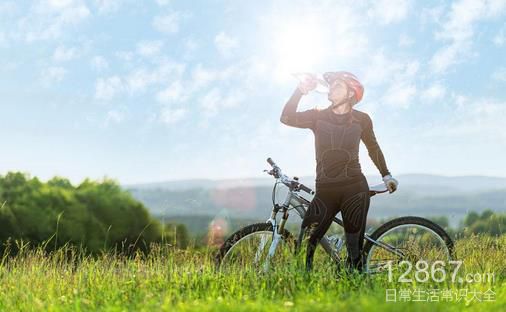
390	183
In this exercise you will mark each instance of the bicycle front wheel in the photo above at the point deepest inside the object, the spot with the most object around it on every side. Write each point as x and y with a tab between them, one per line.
250	248
407	239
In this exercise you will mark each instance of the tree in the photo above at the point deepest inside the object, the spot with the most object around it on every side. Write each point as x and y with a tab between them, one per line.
96	214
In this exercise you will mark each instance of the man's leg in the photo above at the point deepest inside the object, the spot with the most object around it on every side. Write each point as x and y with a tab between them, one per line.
354	210
317	221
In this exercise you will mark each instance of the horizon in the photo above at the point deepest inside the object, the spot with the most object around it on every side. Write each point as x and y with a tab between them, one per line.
178	92
305	176
233	179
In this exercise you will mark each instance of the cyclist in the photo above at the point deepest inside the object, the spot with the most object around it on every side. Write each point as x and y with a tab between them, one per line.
340	184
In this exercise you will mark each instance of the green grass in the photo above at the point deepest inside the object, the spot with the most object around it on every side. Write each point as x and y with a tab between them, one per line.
185	280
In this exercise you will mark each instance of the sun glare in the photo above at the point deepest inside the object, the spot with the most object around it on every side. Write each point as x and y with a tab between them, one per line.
298	47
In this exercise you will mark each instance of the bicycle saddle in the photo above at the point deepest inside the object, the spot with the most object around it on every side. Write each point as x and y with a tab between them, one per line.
377	189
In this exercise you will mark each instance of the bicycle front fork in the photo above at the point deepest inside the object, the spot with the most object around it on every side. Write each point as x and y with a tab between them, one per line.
277	235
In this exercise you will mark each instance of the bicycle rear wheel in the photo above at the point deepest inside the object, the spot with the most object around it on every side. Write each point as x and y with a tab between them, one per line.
248	249
407	239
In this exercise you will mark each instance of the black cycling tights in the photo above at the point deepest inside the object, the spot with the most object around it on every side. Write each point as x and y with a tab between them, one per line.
353	202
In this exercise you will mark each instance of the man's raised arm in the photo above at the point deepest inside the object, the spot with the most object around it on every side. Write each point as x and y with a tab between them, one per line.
291	117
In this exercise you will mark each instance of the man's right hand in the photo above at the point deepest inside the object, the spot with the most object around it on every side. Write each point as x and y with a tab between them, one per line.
307	85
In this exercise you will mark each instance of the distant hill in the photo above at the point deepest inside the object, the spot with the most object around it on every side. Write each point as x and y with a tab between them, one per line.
415	182
179	185
418	194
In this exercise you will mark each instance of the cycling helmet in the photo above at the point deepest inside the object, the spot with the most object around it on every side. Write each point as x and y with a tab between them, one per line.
350	80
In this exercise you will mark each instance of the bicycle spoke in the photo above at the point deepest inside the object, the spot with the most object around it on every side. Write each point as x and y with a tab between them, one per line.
263	241
410	242
252	253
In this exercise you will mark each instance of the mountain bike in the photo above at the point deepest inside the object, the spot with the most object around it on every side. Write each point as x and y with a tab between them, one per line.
261	245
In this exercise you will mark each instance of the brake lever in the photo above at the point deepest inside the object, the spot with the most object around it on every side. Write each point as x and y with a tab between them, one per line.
269	172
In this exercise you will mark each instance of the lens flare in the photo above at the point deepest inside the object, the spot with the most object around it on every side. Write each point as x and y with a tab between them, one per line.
235	199
218	229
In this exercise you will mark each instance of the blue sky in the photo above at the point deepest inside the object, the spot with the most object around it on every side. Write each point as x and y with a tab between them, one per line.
145	91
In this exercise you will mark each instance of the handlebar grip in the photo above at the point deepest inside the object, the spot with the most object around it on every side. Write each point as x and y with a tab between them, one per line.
270	161
306	189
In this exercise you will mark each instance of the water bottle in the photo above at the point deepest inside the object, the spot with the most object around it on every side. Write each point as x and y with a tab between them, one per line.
321	86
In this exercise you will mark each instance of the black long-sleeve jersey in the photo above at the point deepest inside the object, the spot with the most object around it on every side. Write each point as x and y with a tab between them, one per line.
337	140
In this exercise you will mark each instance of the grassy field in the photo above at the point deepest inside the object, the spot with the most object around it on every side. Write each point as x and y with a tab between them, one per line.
185	280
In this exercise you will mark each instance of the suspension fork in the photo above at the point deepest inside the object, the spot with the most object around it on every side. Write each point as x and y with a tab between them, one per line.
263	240
277	236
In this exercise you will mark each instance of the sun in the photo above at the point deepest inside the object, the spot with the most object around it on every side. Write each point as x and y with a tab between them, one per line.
298	46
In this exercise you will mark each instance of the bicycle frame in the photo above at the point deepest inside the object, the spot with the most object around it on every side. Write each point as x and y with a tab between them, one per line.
294	201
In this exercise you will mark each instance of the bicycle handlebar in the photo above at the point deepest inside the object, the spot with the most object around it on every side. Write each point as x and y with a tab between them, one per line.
291	183
294	184
271	162
306	189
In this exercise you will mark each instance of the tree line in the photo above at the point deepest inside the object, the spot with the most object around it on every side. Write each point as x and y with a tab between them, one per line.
100	215
95	215
487	222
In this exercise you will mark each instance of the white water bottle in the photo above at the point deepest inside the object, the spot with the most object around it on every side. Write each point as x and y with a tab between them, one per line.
321	84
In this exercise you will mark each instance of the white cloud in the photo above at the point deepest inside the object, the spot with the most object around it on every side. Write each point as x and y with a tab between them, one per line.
400	95
170	116
225	44
149	48
190	44
449	55
214	101
3	39
389	11
99	63
53	75
162	2
125	56
211	101
49	19
63	54
411	68
173	93
475	120
108	6
382	69
107	88
500	37
168	23
202	77
7	7
431	15
458	30
139	79
500	74
59	4
434	92
405	40
114	117
460	100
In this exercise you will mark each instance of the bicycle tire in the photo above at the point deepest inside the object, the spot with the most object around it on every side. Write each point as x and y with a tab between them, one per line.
244	232
438	230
